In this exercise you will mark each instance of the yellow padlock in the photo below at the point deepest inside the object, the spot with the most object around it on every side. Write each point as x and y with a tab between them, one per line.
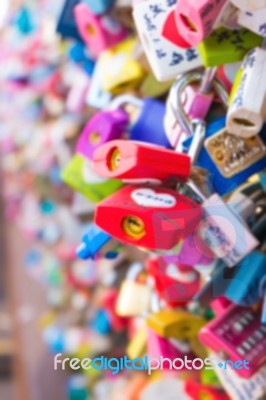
121	72
138	345
178	324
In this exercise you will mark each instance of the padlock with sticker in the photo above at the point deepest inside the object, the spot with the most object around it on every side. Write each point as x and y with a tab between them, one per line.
169	349
196	21
227	235
136	162
121	70
247	106
225	46
237	335
134	298
79	175
153	218
230	158
99	7
166	59
254	21
186	103
174	323
175	283
99	32
101	128
249	5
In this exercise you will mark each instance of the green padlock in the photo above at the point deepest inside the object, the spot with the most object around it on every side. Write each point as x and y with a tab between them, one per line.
78	174
225	46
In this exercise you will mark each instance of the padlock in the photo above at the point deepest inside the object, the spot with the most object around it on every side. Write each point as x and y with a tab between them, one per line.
108	301
79	176
100	323
146	118
98	32
254	21
247	289
220	305
96	96
101	128
231	159
134	297
99	7
198	391
66	25
247	109
178	324
196	21
154	218
237	335
136	162
176	284
224	46
191	254
195	107
121	71
249	5
227	235
92	242
168	349
166	59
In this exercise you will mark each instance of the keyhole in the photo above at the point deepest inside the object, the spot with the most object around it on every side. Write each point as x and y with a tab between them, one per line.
91	30
94	138
133	227
114	159
189	24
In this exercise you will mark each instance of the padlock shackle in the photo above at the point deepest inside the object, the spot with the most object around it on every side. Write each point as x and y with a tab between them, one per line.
120	101
180	85
134	270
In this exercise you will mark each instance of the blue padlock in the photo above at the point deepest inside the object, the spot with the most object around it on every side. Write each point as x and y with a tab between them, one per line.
101	323
79	54
231	160
100	6
66	25
245	288
24	21
92	243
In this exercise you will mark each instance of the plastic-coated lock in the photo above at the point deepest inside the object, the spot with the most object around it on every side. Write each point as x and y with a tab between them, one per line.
79	175
247	110
98	32
224	232
169	323
249	5
166	59
166	348
100	6
238	335
96	96
66	25
101	128
196	21
231	159
254	21
137	346
92	242
136	162
224	46
154	218
134	297
121	72
175	283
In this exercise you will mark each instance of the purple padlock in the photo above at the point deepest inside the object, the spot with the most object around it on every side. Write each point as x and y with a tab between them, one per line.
101	128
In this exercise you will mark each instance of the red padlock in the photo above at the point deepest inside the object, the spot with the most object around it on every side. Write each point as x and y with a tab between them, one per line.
108	301
175	283
136	162
154	218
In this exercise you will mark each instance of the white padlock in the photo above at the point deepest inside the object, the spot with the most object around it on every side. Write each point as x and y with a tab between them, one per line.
249	5
166	59
254	21
247	110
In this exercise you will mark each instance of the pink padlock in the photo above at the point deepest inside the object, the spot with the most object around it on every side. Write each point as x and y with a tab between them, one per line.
163	349
99	32
197	19
103	127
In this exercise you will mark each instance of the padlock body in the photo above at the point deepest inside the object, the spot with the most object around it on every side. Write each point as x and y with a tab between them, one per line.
100	6
133	299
